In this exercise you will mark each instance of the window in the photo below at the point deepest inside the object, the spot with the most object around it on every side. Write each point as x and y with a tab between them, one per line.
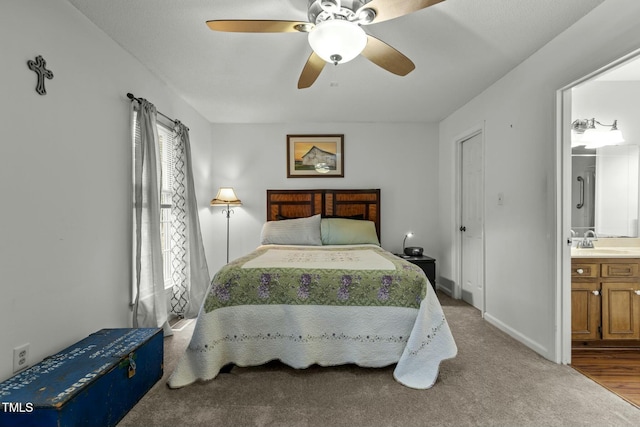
166	141
164	217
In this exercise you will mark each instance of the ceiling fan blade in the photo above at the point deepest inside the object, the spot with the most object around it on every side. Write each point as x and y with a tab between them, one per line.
387	57
390	9
311	71
259	26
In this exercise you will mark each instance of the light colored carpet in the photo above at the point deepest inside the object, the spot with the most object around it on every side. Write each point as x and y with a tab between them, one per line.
494	381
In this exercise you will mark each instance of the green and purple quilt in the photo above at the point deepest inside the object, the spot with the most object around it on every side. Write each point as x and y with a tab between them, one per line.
327	305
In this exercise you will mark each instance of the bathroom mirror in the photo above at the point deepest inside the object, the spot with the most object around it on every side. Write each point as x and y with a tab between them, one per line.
605	190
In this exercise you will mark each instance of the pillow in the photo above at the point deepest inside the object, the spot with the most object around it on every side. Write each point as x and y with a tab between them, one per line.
342	231
299	231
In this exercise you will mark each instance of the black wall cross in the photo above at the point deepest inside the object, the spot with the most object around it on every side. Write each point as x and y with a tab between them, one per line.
39	66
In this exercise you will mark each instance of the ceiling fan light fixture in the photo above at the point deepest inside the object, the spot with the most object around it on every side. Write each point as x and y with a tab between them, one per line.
331	6
365	16
337	41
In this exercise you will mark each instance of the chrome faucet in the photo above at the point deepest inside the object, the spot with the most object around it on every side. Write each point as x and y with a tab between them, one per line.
587	242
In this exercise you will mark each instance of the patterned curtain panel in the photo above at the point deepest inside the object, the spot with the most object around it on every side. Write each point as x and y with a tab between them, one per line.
150	299
189	265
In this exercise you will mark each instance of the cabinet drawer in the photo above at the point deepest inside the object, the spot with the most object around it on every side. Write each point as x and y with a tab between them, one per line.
584	270
626	269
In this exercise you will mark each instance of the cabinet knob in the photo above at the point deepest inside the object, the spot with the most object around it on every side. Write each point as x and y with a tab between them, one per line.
579	271
596	293
637	292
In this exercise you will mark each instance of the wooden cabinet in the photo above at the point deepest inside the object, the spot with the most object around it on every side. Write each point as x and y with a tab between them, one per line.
585	311
605	299
620	311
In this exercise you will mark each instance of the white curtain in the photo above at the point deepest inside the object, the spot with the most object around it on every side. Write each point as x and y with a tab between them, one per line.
150	307
189	269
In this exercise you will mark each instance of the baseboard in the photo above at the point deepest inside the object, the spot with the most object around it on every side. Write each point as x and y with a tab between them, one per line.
533	345
178	324
446	285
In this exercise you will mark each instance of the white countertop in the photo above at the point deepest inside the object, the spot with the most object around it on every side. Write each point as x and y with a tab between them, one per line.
609	248
608	252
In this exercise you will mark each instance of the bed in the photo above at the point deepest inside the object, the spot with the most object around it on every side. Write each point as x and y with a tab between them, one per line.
320	290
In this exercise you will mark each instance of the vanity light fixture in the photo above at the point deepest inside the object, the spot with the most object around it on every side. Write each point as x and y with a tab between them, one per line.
592	137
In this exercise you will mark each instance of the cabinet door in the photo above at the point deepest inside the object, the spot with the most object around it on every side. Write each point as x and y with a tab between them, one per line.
585	310
620	311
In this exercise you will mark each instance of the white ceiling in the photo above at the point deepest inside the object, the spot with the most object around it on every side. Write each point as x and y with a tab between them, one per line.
460	47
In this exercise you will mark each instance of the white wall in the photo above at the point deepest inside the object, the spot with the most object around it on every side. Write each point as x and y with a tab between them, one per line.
519	113
65	177
401	159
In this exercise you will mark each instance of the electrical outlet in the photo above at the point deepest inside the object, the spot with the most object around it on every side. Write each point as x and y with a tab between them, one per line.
20	358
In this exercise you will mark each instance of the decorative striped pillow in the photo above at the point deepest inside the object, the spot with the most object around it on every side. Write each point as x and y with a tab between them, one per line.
299	231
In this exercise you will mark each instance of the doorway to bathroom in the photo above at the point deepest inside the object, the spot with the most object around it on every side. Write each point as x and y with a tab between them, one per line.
600	166
599	179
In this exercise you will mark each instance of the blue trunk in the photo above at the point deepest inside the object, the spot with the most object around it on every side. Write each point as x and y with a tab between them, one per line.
94	382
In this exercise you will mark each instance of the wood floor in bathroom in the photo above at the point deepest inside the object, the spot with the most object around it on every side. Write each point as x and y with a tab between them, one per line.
615	369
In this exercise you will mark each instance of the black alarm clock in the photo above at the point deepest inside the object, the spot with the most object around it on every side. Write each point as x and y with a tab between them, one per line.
413	251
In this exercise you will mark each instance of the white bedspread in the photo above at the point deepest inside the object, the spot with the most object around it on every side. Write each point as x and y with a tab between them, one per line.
363	259
251	335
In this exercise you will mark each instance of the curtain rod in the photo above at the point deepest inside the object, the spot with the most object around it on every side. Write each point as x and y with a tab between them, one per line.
134	98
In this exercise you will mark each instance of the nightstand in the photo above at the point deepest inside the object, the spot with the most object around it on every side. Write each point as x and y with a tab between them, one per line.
427	264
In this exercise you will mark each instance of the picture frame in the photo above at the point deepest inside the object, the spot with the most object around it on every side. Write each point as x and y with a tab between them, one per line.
315	156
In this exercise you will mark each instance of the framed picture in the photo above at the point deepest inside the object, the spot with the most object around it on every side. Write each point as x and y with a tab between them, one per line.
315	156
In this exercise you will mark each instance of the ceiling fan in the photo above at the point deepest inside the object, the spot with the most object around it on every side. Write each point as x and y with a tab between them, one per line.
336	35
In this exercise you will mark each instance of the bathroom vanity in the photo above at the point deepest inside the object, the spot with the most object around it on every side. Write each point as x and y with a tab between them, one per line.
605	295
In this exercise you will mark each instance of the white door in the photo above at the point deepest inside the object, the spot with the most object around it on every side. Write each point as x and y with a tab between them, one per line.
471	222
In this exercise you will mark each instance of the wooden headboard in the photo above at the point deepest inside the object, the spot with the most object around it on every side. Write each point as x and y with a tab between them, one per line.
340	203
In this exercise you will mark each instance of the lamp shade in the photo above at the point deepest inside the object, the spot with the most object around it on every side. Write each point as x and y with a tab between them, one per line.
592	136
337	41
226	196
614	136
596	138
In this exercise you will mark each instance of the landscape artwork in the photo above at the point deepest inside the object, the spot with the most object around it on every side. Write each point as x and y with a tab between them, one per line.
315	156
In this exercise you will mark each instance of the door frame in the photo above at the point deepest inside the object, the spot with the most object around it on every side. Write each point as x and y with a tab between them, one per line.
563	208
478	129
